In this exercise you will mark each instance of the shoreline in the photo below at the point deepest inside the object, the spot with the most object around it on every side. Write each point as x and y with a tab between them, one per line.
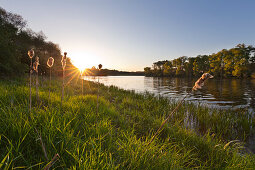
176	88
123	126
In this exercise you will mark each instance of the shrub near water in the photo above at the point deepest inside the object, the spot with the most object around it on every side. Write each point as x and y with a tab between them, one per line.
116	137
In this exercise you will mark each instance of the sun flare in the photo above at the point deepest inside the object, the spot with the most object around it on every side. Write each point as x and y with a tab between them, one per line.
83	61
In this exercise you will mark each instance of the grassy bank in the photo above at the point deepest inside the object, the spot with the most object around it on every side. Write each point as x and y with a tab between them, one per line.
117	136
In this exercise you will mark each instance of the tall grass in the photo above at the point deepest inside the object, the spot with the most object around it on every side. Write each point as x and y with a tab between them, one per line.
117	137
198	85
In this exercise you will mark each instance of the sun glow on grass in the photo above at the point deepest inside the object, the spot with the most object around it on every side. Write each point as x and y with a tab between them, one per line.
201	147
83	61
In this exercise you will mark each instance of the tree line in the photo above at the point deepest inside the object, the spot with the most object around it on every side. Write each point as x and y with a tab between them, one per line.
16	39
236	62
108	72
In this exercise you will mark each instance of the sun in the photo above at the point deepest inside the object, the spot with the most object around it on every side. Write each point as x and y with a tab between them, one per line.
83	61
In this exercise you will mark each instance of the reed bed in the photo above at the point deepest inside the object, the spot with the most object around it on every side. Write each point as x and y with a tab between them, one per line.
118	136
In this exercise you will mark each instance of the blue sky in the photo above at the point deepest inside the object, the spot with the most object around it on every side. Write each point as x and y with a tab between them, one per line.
132	34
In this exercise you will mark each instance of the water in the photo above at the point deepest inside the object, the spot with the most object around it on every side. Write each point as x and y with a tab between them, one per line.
226	93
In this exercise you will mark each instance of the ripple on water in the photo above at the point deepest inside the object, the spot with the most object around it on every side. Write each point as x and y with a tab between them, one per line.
223	94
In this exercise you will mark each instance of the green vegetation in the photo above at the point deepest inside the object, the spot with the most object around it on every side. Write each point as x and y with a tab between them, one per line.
117	136
16	39
113	131
236	62
107	72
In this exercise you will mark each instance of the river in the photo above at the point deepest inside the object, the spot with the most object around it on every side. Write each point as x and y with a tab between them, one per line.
225	93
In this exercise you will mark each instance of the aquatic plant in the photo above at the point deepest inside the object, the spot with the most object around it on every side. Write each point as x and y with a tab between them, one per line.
50	63
198	85
31	54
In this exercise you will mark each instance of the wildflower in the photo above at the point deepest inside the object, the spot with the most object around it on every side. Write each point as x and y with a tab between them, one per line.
200	82
50	62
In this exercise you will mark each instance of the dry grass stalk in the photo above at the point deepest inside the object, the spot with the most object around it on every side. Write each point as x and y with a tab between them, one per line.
53	160
198	85
31	54
50	63
99	68
42	144
81	82
63	61
35	67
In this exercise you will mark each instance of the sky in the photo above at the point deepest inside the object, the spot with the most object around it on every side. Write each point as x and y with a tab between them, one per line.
132	34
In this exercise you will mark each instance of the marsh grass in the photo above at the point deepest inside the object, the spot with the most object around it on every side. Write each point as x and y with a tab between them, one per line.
198	85
117	137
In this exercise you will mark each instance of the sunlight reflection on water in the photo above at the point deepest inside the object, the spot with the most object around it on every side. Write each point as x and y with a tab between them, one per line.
228	93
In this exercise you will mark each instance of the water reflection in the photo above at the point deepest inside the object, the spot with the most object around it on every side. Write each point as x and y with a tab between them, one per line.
226	93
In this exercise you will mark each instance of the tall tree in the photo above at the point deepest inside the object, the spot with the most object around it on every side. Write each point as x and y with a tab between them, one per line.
201	64
16	39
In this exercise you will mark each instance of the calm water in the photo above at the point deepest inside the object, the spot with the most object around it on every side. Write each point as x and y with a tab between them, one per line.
228	93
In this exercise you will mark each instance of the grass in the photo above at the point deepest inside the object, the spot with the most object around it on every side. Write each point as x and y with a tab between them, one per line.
117	136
